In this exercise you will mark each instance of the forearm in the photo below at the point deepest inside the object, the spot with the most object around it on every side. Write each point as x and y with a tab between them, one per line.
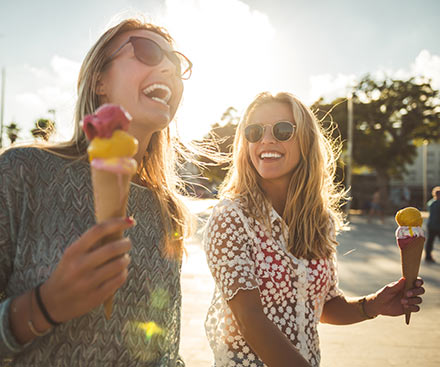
345	311
270	344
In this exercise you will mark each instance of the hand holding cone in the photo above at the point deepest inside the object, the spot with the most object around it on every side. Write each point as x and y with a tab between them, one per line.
110	152
410	239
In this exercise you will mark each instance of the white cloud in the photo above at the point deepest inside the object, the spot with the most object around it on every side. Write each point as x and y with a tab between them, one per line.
51	88
429	66
330	86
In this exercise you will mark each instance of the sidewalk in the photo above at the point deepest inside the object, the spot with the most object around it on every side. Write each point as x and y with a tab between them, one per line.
368	259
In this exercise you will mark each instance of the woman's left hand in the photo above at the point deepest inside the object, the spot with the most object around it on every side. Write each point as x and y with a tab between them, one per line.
391	301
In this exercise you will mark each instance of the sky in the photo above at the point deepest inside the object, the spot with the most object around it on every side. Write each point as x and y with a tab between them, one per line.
238	47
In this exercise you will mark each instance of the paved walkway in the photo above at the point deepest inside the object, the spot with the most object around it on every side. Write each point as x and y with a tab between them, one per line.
368	259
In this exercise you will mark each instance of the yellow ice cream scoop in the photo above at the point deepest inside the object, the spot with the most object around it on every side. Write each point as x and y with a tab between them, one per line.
121	144
409	217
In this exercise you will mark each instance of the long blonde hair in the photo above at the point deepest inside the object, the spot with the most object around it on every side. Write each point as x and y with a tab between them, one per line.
157	170
313	200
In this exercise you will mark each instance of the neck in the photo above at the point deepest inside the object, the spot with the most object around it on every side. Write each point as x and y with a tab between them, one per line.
143	137
276	193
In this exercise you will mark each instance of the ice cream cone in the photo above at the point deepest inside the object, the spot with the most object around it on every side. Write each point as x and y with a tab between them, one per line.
110	191
410	258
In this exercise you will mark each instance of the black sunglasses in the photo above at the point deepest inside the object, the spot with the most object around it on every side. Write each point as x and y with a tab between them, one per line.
150	53
281	131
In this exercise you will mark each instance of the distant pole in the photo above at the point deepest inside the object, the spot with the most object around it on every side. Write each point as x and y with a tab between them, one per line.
425	172
2	106
349	149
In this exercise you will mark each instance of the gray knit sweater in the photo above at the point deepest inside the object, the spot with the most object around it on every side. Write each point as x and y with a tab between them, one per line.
46	203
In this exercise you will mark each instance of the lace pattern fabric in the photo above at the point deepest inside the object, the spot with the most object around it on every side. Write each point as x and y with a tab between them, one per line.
241	256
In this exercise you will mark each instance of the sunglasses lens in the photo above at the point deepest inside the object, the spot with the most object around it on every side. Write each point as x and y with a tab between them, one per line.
283	130
147	51
253	133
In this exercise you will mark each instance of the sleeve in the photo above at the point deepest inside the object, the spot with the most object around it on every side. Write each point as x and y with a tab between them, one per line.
9	208
227	246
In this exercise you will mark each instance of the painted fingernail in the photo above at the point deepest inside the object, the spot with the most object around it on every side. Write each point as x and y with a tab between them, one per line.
130	220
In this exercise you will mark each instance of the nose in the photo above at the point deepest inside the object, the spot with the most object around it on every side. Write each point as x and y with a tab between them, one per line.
166	66
267	134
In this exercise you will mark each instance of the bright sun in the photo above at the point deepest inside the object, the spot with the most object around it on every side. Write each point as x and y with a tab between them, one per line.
230	46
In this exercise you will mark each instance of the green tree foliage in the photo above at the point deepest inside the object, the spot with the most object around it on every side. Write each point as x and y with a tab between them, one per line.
44	128
12	131
390	117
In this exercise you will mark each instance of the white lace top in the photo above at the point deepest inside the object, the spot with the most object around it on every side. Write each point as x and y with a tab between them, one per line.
241	255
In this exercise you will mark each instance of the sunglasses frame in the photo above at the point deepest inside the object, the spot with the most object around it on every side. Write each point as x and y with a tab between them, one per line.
263	129
164	53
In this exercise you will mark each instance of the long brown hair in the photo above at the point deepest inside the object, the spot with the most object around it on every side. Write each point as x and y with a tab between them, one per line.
313	199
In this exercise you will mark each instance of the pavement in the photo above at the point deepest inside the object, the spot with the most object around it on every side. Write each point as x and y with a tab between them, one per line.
368	258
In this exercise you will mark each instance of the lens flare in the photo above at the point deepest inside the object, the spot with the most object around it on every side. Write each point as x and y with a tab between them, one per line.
150	328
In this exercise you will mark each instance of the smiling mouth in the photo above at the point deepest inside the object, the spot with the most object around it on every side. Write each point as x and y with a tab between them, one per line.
158	92
270	155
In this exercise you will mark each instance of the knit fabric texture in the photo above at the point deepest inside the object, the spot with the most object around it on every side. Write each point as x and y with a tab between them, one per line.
46	203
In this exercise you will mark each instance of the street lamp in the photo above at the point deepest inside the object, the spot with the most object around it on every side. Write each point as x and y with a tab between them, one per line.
425	171
2	105
349	149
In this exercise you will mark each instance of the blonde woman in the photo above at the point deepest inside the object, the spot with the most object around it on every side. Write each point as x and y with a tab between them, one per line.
52	278
270	244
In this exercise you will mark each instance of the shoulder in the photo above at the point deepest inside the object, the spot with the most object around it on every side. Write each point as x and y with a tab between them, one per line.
27	164
227	208
26	157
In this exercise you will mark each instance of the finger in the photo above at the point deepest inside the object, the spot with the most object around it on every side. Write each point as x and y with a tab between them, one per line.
109	270
106	252
108	288
419	282
411	308
412	301
101	230
415	292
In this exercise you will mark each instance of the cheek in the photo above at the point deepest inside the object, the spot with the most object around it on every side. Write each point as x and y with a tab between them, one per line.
252	155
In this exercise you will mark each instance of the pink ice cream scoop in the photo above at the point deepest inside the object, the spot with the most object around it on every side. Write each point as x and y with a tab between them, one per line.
105	121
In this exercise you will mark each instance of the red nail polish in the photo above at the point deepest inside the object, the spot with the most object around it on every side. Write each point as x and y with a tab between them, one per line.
130	220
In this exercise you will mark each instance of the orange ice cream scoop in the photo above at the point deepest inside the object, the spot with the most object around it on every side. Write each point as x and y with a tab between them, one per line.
120	144
409	217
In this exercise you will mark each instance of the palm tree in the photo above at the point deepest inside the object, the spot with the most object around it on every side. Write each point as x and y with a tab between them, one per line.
44	128
12	131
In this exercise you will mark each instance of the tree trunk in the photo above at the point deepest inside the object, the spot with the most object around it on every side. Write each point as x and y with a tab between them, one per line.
382	180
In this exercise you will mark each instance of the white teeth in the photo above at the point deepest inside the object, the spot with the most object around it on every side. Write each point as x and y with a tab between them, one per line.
270	155
159	100
164	100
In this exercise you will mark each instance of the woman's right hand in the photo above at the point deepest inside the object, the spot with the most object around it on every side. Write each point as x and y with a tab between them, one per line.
88	274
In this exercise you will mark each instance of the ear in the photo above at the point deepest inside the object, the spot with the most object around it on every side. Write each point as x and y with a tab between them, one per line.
100	87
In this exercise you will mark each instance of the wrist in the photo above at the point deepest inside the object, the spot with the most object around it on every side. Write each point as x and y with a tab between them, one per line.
44	306
366	307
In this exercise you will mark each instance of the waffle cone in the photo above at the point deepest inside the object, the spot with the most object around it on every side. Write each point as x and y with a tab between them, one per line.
410	258
110	193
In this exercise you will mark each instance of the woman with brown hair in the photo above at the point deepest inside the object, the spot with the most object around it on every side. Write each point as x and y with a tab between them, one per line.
52	276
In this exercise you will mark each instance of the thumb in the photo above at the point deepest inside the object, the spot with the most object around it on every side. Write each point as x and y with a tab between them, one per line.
399	285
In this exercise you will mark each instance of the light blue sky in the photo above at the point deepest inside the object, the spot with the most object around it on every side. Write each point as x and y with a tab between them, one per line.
238	47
